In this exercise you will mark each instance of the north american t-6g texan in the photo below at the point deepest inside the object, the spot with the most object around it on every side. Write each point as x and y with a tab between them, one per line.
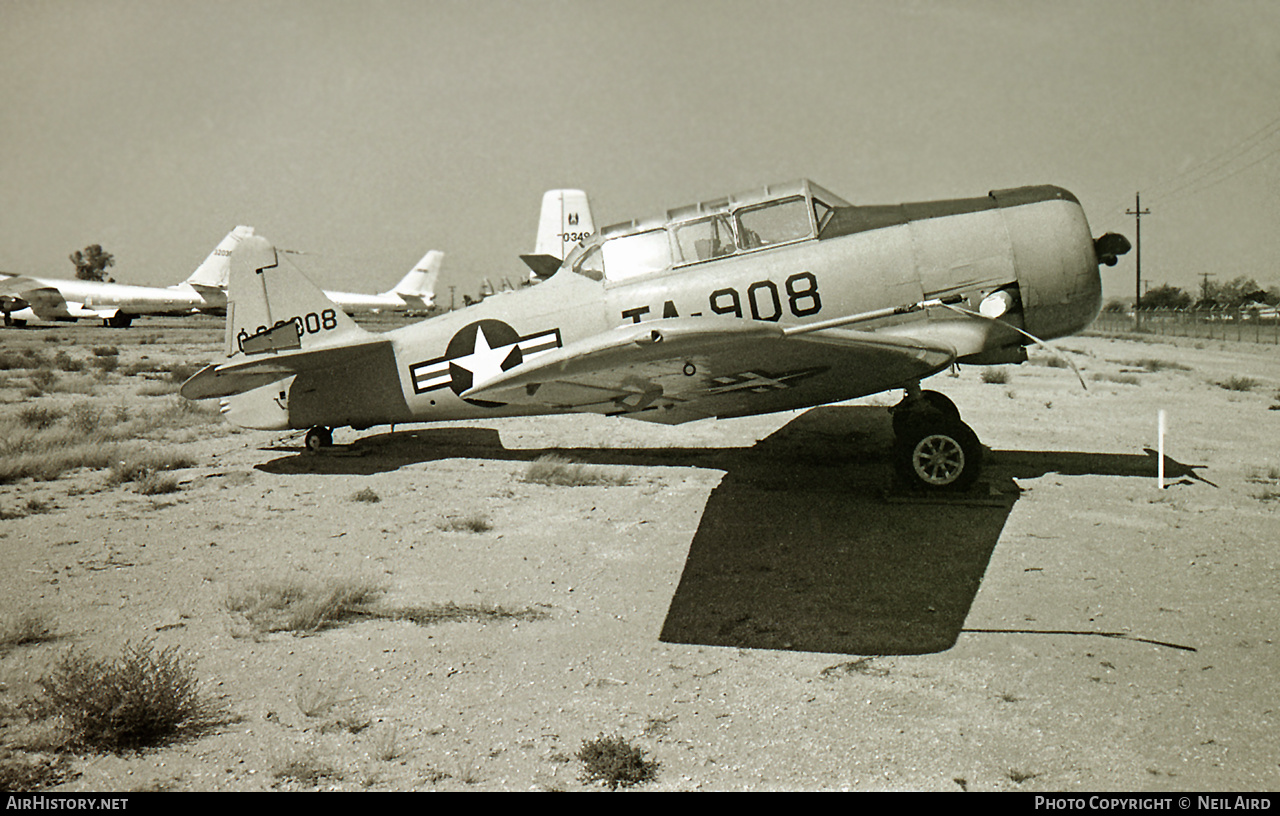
776	299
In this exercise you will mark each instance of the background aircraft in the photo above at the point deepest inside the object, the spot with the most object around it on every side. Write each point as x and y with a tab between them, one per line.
771	300
564	224
414	292
25	299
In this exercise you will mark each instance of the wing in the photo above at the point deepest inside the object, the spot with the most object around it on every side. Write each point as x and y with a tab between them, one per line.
236	378
682	369
20	292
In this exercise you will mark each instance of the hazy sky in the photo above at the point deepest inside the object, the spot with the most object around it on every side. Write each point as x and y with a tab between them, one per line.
365	133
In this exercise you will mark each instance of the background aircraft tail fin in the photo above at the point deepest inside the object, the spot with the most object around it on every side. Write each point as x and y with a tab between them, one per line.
273	307
564	223
420	283
216	268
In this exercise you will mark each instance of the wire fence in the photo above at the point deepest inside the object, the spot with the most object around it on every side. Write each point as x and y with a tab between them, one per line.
1239	325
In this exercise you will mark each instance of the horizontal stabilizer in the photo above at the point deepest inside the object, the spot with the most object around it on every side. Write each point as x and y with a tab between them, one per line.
543	266
236	378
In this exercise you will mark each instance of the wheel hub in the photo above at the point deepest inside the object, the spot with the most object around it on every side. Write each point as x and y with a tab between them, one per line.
938	459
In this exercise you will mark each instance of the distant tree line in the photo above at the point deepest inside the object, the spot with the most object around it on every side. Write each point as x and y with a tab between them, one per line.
1234	294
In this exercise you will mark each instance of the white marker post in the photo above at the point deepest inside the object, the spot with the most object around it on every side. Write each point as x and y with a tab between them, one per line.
1160	446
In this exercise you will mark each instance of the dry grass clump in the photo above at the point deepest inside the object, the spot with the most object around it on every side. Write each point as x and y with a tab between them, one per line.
366	494
177	373
27	773
1151	364
42	441
23	359
24	628
615	762
145	466
473	523
143	697
30	507
306	767
995	376
557	470
1122	379
1237	383
300	605
456	613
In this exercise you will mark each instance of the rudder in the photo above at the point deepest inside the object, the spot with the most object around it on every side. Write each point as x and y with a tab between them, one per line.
275	308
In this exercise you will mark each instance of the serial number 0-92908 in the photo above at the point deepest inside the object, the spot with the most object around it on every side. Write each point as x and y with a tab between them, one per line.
310	323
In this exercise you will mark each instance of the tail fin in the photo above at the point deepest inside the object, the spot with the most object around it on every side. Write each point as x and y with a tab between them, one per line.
564	223
216	268
273	307
420	283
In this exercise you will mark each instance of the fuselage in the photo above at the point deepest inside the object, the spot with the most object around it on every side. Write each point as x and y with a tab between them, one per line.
789	255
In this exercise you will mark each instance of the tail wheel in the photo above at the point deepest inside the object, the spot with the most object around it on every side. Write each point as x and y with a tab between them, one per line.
935	456
319	437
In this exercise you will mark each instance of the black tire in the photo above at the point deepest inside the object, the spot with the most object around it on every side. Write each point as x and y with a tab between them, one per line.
318	438
938	456
932	407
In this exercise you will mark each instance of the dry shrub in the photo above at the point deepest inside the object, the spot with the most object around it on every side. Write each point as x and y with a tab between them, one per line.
615	762
141	698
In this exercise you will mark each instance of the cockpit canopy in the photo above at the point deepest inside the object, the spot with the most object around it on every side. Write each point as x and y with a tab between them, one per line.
747	222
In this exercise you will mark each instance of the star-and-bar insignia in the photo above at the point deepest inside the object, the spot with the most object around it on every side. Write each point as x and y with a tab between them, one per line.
478	352
759	382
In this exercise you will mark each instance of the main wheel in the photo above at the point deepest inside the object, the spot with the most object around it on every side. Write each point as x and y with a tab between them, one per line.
319	437
935	456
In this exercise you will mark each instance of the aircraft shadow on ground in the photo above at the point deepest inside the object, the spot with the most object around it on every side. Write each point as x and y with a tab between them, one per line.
802	546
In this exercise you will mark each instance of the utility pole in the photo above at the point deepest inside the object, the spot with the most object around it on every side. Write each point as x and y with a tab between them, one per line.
1204	285
1137	212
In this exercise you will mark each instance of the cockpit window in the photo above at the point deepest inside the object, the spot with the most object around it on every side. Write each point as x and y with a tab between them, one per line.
591	264
630	255
822	214
774	223
705	239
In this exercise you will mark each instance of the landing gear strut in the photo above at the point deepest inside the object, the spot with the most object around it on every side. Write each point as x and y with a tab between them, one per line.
935	450
319	437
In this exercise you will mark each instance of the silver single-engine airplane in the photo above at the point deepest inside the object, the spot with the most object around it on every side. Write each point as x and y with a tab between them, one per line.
777	299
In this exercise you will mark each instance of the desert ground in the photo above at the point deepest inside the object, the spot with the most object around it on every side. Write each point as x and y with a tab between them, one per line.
749	600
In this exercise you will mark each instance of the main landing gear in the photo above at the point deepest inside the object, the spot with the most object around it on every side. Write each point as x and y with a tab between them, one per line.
318	438
935	450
